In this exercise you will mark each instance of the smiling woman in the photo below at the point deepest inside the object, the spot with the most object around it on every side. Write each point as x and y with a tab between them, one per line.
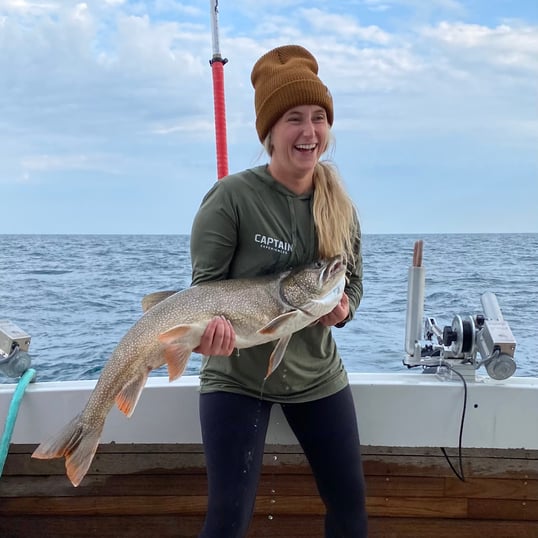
301	201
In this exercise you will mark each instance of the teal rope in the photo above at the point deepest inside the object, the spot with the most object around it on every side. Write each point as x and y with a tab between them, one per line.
12	413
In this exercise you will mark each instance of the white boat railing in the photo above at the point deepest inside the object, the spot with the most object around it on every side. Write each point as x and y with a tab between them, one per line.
394	409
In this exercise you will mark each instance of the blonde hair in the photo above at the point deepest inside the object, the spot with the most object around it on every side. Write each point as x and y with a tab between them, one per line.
335	216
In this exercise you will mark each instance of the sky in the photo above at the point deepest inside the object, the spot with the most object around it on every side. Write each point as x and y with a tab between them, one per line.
107	124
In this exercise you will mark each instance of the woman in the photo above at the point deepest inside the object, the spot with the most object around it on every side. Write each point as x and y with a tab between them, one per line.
265	220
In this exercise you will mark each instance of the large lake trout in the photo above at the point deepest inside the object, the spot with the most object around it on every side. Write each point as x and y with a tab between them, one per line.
260	309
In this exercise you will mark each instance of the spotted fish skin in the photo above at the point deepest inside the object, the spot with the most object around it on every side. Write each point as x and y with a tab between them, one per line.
260	310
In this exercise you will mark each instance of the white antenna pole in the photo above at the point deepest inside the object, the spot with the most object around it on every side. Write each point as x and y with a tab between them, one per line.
214	4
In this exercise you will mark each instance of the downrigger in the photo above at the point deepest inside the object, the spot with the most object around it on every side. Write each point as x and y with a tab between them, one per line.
471	341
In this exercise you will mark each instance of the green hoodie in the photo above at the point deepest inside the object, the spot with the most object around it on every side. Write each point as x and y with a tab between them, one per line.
250	225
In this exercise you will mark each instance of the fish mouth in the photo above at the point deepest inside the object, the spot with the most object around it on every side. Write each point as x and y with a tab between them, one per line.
335	267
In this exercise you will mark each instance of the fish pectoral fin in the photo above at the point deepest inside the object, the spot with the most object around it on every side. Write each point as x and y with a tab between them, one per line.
278	322
175	333
129	395
278	354
176	357
175	352
151	299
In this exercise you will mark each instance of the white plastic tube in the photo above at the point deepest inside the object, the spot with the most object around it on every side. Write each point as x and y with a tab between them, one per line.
415	308
491	307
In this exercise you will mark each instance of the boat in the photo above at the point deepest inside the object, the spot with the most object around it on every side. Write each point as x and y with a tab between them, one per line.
149	470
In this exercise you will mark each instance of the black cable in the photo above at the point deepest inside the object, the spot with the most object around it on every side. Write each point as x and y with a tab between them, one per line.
460	475
14	350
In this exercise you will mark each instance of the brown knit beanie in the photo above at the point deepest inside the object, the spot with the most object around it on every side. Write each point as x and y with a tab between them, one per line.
284	78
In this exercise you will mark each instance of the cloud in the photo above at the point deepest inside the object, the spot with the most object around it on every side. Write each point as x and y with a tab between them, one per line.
73	162
504	45
24	7
96	75
344	26
120	91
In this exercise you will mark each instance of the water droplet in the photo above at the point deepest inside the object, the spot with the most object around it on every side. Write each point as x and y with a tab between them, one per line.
269	517
273	501
275	458
273	491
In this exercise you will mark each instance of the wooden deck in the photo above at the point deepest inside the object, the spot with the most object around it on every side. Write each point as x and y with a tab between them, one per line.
159	490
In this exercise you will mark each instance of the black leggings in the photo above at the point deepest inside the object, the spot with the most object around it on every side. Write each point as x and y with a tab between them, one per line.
234	429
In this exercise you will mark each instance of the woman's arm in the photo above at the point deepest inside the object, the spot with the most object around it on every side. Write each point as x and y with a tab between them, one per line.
213	243
213	236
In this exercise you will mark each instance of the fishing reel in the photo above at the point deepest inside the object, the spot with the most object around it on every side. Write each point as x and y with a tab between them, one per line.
14	344
458	345
454	350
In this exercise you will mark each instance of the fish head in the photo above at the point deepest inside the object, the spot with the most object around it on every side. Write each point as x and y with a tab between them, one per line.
315	288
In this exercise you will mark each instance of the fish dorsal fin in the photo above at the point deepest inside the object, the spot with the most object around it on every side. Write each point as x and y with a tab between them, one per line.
277	322
151	299
129	395
278	354
174	334
177	357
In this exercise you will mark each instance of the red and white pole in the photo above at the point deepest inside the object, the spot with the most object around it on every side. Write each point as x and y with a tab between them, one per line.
217	69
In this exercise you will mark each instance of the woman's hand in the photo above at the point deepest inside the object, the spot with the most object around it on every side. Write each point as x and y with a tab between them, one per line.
218	338
339	313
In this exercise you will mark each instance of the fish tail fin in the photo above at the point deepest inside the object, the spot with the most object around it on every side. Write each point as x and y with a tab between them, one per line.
77	444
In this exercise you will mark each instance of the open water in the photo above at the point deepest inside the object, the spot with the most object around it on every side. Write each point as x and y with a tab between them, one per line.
77	295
